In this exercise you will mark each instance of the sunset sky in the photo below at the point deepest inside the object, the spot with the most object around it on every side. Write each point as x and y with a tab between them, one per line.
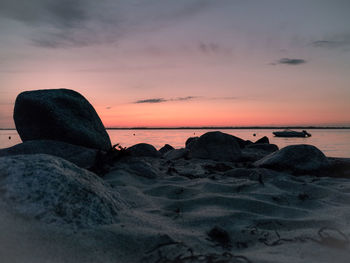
175	63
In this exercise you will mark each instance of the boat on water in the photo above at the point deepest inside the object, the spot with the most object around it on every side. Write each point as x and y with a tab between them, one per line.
291	133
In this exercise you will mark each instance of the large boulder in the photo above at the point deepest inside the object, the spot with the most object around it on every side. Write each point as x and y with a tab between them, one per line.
296	159
55	191
143	150
80	156
190	142
61	115
216	146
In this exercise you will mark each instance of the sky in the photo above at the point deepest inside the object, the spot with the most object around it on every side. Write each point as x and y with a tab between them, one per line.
166	63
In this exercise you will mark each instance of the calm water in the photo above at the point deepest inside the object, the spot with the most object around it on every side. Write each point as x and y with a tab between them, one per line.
334	143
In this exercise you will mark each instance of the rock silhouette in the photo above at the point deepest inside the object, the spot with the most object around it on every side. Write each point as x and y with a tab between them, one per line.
61	115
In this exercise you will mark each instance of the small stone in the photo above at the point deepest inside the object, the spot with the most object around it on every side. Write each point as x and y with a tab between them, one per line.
262	140
143	150
166	148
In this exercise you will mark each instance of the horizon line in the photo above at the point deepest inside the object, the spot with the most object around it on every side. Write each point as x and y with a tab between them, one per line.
226	127
217	127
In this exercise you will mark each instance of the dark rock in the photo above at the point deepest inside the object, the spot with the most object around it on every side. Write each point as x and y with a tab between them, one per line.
190	141
60	115
338	167
242	143
80	156
296	159
239	173
263	140
55	191
269	148
176	154
216	146
220	236
133	166
141	168
166	148
143	150
217	167
248	142
254	152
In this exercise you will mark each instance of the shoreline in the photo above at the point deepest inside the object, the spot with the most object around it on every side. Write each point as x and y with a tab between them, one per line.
218	128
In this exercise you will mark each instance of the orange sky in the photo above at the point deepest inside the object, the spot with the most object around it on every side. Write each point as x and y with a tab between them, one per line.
182	63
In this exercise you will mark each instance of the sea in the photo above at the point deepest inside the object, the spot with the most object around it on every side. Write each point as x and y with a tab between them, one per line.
332	142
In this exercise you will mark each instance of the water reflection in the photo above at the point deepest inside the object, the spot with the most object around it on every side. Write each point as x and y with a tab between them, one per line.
331	142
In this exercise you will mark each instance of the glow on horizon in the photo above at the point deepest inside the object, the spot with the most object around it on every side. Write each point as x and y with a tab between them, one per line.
223	63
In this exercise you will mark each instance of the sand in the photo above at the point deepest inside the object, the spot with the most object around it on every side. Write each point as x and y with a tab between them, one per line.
192	213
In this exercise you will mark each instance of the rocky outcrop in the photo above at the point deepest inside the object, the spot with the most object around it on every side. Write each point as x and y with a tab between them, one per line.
216	146
176	154
143	150
339	167
80	156
269	148
190	142
135	167
295	159
257	151
166	148
56	191
60	115
263	140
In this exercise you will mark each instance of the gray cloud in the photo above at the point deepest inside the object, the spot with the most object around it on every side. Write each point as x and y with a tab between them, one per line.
67	13
214	48
67	23
155	100
290	61
63	13
208	47
160	100
184	98
188	98
335	42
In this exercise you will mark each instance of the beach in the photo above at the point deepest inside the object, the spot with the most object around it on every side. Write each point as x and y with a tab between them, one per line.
240	215
74	197
163	131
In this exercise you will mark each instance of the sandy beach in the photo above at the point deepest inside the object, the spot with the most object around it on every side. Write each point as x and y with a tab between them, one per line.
188	211
68	195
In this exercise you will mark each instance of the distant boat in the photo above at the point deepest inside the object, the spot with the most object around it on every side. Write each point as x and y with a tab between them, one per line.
290	133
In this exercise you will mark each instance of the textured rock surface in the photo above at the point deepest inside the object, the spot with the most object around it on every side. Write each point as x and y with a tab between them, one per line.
263	140
216	146
254	152
61	115
295	158
143	150
190	142
81	156
263	146
166	148
176	154
56	191
135	167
